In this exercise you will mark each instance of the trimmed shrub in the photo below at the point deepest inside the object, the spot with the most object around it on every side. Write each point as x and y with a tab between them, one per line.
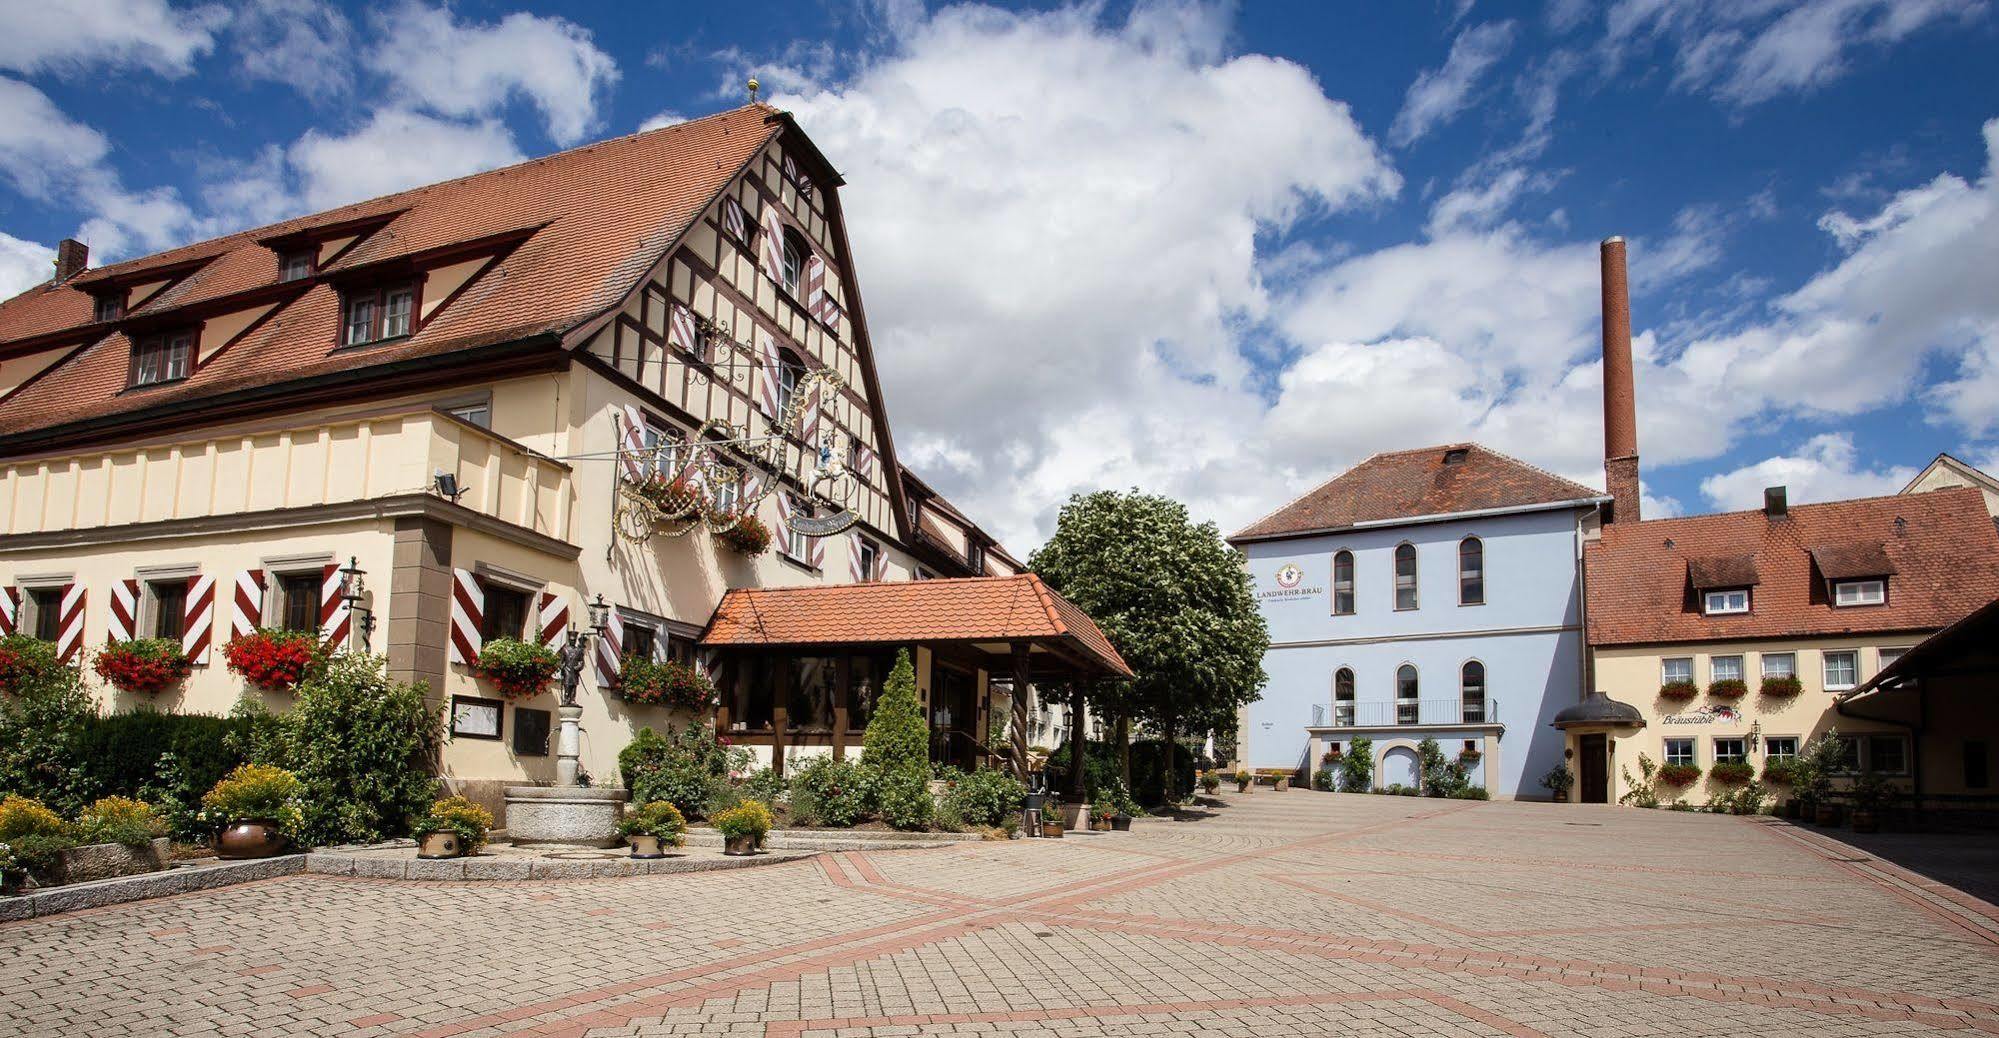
689	769
168	760
902	798
897	739
830	792
120	820
986	797
362	746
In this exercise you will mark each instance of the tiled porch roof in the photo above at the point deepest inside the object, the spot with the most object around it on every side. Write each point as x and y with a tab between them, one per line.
968	611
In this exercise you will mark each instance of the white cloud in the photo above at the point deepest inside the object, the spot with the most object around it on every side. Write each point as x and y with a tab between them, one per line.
663	118
50	157
394	150
148	35
301	43
462	69
1439	94
23	265
1826	467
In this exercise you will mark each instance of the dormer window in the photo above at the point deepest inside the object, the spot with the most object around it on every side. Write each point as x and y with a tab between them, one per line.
109	307
1731	600
162	357
296	265
1859	592
377	314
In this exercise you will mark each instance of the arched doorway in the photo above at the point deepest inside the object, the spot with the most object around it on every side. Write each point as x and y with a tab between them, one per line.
1399	767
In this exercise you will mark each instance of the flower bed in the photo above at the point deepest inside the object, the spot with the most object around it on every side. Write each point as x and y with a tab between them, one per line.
145	666
1678	690
1727	688
1678	774
670	684
1732	772
516	669
749	536
1782	686
274	660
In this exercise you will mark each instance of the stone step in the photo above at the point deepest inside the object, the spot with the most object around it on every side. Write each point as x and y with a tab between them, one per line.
837	840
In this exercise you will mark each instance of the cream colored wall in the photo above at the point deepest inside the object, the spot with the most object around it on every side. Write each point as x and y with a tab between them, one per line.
1943	476
440	282
16	370
1632	675
217	331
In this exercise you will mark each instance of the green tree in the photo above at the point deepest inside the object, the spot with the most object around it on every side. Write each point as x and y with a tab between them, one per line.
1173	597
44	717
897	740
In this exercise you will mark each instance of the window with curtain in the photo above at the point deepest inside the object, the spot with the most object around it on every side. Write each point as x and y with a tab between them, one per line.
1472	687
1405	576
1471	571
1406	711
1343	596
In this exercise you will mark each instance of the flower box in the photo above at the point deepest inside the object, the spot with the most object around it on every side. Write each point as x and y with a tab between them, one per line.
516	669
1678	690
1679	774
748	535
1782	770
669	683
1787	685
1732	772
145	666
1727	688
274	660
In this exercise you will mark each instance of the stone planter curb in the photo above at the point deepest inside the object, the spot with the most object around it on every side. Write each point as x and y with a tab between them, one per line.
491	868
148	885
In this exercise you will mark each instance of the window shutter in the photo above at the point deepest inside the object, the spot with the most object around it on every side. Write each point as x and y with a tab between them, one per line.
553	615
772	253
124	625
854	570
468	617
632	444
69	630
815	284
335	618
817	546
680	331
881	565
735	222
769	375
864	462
247	611
10	610
198	621
610	650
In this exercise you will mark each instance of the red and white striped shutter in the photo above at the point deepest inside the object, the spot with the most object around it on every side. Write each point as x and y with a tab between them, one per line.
815	284
735	222
881	566
710	661
772	252
468	617
552	618
632	443
817	547
246	612
124	625
680	328
769	374
198	620
864	462
69	626
854	570
784	524
10	610
335	616
610	650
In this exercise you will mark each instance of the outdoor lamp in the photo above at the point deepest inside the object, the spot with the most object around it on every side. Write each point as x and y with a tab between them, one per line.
352	588
600	614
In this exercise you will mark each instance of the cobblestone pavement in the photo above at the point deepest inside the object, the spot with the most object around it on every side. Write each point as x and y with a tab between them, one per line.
1278	914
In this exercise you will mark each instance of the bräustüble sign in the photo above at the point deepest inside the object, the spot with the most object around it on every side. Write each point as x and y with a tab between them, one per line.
1705	715
1290	579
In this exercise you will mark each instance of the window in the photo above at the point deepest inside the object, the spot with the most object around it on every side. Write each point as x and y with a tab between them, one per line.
870	553
296	265
506	612
47	604
162	358
1472	684
1730	751
1780	747
480	414
1405	576
796	544
1679	751
1732	601
1891	655
1724	668
1842	669
1887	755
1849	755
298	602
789	372
1780	665
794	266
639	640
975	559
378	314
1343	706
1471	572
1343	583
108	308
1406	709
1675	670
1859	592
169	608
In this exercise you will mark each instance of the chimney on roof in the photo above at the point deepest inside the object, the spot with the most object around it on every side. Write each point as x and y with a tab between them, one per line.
1620	416
71	257
1775	502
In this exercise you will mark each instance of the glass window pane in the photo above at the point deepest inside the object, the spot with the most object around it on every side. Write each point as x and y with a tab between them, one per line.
169	609
396	313
1780	665
1726	668
1343	591
1405	576
1471	572
360	321
1677	669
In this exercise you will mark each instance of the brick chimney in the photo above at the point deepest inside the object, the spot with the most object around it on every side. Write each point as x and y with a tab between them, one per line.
1620	415
72	257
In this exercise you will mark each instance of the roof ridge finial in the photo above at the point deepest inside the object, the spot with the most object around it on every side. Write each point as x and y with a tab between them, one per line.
754	87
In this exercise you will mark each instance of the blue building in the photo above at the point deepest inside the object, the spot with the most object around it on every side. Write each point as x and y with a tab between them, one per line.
1426	593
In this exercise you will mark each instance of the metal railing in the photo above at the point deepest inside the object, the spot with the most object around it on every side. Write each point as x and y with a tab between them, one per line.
1404	712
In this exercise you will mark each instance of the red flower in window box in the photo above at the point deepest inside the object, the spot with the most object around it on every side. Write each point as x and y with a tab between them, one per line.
1782	685
749	536
672	684
274	660
147	665
1678	690
1732	772
1728	688
1679	774
516	669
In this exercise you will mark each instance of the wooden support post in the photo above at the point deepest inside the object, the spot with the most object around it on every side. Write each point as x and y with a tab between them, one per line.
1020	686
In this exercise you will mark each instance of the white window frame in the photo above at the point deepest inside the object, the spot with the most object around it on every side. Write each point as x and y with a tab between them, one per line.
1714	669
1665	675
791	265
1726	596
1888	654
1825	668
797	546
1868	764
1666	751
1714	748
1770	754
1415	577
1864	593
1790	662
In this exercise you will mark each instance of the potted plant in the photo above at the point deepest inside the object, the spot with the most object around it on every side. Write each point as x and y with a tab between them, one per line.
1728	688
1784	685
1678	690
1679	774
454	828
652	827
1469	756
670	683
145	666
748	535
1243	780
274	660
743	827
1210	782
256	808
1051	818
516	669
1101	810
1869	794
1812	777
1732	772
1281	782
1558	781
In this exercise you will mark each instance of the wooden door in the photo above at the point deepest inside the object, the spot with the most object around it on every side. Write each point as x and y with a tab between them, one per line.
1596	769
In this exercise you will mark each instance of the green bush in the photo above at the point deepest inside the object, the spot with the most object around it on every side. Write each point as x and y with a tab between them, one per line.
688	768
1471	792
119	820
986	797
647	750
902	798
897	740
42	721
168	760
1442	777
256	793
33	834
749	818
362	745
26	662
1357	766
766	785
1322	780
658	819
831	792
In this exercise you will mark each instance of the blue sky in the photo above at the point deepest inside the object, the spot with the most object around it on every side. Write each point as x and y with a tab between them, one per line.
1213	251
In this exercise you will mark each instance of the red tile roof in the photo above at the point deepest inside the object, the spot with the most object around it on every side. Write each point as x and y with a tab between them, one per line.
1415	483
973	609
593	220
1943	554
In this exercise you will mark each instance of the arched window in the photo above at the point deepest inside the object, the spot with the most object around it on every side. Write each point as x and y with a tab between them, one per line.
1471	682
1343	708
1471	571
1405	576
1343	583
1406	711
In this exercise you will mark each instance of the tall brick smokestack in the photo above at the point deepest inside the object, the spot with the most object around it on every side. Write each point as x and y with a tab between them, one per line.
1620	410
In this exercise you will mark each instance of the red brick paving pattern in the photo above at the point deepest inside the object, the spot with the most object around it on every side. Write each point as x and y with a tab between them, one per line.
1297	913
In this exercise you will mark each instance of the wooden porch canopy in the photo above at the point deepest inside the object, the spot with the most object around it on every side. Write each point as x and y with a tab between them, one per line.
988	615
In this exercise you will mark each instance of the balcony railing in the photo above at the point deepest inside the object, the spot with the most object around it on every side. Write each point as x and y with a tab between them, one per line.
1404	712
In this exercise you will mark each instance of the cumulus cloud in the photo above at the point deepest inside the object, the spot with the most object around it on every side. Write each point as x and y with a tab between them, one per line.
1826	467
440	64
300	43
48	156
1439	94
145	35
23	265
393	150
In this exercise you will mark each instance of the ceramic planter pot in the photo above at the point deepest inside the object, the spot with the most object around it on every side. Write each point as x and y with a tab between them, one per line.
441	844
1121	822
1561	796
1865	820
1244	787
1283	784
739	846
249	838
644	846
